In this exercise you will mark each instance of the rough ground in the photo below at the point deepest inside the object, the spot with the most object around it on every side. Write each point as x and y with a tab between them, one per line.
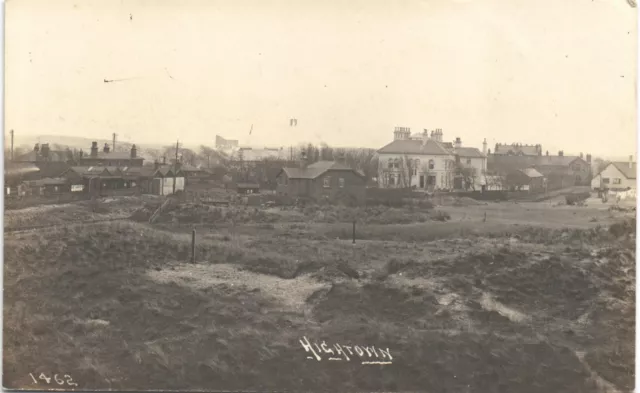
516	303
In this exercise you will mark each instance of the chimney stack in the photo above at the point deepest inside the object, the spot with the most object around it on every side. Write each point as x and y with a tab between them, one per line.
164	160
45	150
400	133
36	148
105	149
94	149
156	165
303	159
134	151
458	142
484	146
560	153
80	153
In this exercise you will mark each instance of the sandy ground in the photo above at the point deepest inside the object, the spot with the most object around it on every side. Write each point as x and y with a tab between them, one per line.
536	297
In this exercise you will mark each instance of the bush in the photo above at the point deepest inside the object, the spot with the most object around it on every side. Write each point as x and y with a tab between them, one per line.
440	215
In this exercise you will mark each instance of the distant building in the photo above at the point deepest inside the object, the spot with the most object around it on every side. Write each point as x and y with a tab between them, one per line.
249	154
560	171
517	149
617	176
42	153
106	157
248	188
225	144
528	179
323	180
425	161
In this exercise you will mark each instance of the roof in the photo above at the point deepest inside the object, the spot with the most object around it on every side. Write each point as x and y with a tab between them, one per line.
189	168
469	152
555	160
54	155
94	170
35	171
505	163
316	169
47	182
623	167
531	172
112	155
527	150
409	146
18	169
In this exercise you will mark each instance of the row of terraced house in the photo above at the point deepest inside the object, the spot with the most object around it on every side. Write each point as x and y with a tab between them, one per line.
43	172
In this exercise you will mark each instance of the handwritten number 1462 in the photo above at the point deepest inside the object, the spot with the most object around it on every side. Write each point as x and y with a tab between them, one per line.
67	379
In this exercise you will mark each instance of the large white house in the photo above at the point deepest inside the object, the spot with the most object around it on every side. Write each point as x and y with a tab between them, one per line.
616	176
424	161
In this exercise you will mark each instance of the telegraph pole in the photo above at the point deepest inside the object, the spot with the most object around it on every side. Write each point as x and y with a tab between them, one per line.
11	145
175	167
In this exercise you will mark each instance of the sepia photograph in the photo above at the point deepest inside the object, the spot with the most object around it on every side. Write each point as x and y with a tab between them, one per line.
320	196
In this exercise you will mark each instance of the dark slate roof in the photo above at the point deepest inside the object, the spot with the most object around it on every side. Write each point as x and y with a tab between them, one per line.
96	170
15	170
54	156
47	182
499	163
527	150
556	160
35	171
113	155
316	169
623	167
470	152
409	146
414	146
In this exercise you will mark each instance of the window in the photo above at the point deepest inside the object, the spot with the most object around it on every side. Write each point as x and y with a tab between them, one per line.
327	182
617	181
605	180
431	164
468	161
396	163
341	182
416	165
392	180
390	163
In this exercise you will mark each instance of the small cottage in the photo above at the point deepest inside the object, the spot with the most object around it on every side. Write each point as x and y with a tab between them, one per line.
323	181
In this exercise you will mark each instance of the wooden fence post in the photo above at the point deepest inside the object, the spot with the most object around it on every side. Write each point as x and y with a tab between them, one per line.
193	246
354	231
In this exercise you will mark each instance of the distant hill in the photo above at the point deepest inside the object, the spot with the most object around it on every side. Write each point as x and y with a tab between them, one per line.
74	142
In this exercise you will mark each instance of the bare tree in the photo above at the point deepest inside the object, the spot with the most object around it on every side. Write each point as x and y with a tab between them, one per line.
207	154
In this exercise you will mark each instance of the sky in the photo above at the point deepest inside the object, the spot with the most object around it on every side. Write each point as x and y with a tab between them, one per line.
558	73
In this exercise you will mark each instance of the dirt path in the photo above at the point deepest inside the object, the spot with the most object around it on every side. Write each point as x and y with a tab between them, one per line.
292	294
